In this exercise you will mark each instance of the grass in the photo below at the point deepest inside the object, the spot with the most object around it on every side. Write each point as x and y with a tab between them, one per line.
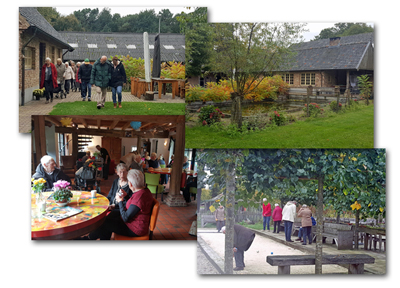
353	129
128	108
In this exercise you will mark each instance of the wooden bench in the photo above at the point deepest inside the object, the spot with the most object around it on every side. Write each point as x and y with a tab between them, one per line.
355	261
340	234
207	219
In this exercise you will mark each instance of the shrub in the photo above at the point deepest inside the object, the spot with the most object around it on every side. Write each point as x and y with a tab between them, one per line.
209	115
333	106
255	122
278	119
314	109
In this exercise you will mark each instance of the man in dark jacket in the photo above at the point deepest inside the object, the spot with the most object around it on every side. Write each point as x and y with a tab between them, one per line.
118	78
242	240
101	76
107	160
84	73
48	171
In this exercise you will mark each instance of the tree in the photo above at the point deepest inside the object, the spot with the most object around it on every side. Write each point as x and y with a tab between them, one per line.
49	13
67	23
248	52
344	29
365	87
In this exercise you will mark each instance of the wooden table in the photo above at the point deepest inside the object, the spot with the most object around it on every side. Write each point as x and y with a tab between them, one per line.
93	215
161	85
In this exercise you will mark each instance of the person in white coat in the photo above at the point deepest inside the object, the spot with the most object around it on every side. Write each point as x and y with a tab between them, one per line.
68	77
288	215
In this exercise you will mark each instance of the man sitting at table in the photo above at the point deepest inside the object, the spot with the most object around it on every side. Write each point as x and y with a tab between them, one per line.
185	163
48	171
153	162
137	163
132	219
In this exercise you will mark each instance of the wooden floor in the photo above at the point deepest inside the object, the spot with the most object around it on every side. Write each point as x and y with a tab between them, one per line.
173	223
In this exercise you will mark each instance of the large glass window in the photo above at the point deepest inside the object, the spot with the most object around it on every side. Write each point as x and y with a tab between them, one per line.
29	58
307	79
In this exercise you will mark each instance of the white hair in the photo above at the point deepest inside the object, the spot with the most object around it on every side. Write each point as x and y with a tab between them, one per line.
265	199
121	166
48	59
46	159
223	229
66	63
276	204
79	63
304	205
136	178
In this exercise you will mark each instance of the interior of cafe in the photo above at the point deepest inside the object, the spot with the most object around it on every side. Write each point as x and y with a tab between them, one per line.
89	151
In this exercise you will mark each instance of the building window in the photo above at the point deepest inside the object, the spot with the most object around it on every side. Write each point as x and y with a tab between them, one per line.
131	46
288	78
92	45
29	58
308	79
151	46
168	47
59	55
111	46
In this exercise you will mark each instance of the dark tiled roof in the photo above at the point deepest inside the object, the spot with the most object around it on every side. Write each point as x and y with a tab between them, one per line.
319	55
122	40
35	19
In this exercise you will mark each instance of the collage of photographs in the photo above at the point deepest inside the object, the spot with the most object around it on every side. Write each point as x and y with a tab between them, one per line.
252	140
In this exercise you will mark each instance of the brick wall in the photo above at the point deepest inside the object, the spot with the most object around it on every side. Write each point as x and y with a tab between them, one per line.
322	79
32	76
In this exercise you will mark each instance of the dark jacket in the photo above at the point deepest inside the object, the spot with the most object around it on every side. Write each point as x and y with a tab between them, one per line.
50	179
101	74
53	75
118	75
242	237
84	72
113	192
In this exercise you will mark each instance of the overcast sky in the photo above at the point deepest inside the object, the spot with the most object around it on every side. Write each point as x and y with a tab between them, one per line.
316	27
124	10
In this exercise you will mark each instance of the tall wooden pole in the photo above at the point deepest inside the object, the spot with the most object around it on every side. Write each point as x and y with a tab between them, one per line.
230	218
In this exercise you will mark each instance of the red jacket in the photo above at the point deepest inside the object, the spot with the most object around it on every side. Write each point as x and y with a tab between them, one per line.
76	76
267	209
277	214
53	75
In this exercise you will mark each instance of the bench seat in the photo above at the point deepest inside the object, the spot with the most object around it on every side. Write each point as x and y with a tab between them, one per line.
355	261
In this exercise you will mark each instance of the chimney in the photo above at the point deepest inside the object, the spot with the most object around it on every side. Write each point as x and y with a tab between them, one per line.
334	41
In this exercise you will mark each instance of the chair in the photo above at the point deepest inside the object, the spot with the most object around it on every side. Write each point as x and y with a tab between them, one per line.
153	222
162	165
152	183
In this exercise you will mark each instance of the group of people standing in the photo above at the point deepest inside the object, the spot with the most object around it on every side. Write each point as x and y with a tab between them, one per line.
63	77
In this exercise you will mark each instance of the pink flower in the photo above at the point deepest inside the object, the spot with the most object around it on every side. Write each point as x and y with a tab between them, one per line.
204	122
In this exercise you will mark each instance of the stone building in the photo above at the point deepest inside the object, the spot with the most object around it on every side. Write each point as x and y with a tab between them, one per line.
37	41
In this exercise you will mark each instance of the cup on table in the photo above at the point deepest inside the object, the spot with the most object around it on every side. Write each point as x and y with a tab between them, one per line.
93	193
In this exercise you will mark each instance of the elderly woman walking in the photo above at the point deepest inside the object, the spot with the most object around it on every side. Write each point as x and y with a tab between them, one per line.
306	223
68	76
220	217
48	79
277	218
118	78
60	78
121	183
132	219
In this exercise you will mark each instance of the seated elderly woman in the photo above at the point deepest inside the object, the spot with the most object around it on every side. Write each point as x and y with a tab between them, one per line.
121	183
153	162
133	217
48	171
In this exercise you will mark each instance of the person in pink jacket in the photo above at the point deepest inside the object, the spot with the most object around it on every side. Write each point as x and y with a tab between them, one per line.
266	213
277	218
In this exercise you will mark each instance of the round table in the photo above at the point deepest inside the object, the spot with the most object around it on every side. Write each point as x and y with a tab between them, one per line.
92	216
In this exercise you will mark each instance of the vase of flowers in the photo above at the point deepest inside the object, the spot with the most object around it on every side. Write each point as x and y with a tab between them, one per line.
37	188
62	193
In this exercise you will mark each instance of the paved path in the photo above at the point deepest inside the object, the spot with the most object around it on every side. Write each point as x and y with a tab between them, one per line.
35	107
267	242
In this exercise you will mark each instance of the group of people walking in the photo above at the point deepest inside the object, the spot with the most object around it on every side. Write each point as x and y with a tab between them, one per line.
62	78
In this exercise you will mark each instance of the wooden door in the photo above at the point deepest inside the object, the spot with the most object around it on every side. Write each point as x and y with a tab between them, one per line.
113	146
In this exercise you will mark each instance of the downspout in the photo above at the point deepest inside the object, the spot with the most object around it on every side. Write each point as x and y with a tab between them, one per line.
23	69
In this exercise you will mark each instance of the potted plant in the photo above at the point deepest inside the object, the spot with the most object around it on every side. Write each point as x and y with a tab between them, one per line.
38	93
62	192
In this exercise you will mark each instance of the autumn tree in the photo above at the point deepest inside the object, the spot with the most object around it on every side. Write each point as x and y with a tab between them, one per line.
248	52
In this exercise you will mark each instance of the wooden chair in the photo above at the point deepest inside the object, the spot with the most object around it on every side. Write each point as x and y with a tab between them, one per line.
152	226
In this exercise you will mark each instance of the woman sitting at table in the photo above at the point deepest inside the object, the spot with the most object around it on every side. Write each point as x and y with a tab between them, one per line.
120	183
153	162
48	171
133	218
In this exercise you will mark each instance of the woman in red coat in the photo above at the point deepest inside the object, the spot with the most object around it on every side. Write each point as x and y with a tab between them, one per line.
48	79
277	217
266	213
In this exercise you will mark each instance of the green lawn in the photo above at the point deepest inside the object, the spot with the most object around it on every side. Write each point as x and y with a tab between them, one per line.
353	129
128	108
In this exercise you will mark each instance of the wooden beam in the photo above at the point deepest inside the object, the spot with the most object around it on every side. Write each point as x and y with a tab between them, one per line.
111	133
176	173
112	126
40	137
98	123
53	120
129	118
